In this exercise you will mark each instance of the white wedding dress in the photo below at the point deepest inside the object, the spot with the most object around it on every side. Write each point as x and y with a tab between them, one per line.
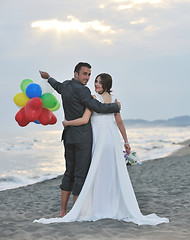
107	191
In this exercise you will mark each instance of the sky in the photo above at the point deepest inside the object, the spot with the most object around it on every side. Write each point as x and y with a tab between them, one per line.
143	44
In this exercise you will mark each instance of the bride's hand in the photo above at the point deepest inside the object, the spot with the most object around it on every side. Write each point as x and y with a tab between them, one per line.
127	148
118	103
65	123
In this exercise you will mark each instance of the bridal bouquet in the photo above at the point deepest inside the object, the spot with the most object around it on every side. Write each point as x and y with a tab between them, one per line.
130	159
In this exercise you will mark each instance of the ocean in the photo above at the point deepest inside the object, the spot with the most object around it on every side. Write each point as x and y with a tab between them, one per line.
27	158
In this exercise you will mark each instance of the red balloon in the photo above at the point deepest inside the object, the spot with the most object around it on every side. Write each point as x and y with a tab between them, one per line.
23	124
53	119
33	109
47	117
20	117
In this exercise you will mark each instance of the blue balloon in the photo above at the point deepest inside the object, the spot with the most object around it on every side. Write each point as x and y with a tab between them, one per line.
33	90
37	122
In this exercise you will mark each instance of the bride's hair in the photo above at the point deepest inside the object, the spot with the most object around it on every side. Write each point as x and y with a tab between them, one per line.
106	81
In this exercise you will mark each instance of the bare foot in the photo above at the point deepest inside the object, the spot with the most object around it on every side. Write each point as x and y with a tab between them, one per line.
63	213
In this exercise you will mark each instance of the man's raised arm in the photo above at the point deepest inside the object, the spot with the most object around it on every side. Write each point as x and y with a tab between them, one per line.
55	84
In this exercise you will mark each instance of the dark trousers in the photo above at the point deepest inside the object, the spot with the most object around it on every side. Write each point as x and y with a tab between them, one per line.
78	158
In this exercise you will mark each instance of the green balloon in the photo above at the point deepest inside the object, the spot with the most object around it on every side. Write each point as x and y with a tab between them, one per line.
57	106
24	84
49	100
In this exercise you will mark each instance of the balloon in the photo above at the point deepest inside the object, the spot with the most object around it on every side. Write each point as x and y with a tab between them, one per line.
23	124
53	119
33	109
33	90
49	100
24	84
36	107
20	117
21	99
47	117
57	106
37	122
46	87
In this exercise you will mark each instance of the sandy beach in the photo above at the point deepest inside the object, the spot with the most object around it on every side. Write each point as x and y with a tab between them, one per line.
161	186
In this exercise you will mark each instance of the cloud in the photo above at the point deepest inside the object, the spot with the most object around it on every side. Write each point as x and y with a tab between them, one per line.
92	31
102	6
127	4
141	4
73	24
107	41
121	25
123	7
139	1
151	28
140	21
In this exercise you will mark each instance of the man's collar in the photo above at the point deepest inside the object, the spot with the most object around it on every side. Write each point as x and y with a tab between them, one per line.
73	79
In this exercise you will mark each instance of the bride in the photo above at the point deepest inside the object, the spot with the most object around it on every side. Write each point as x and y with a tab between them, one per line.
107	191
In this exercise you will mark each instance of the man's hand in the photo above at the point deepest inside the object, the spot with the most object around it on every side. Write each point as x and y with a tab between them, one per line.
118	103
44	75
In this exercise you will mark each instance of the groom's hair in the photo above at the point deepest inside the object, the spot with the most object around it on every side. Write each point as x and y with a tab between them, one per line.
106	81
81	64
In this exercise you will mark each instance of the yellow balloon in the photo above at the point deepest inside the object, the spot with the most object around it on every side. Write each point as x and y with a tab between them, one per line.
21	99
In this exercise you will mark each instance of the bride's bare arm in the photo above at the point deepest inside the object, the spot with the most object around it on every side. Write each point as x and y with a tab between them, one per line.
123	132
79	121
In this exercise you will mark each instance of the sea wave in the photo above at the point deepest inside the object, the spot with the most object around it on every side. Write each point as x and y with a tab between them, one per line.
35	157
10	182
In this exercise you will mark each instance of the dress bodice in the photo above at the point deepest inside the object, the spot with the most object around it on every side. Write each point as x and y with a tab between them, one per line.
102	118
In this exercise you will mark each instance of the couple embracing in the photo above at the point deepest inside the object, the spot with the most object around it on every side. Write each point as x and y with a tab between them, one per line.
96	172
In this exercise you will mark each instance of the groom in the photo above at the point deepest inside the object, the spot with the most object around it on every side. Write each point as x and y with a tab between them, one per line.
77	139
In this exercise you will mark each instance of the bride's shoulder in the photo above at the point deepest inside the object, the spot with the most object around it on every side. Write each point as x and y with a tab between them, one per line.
96	95
112	97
